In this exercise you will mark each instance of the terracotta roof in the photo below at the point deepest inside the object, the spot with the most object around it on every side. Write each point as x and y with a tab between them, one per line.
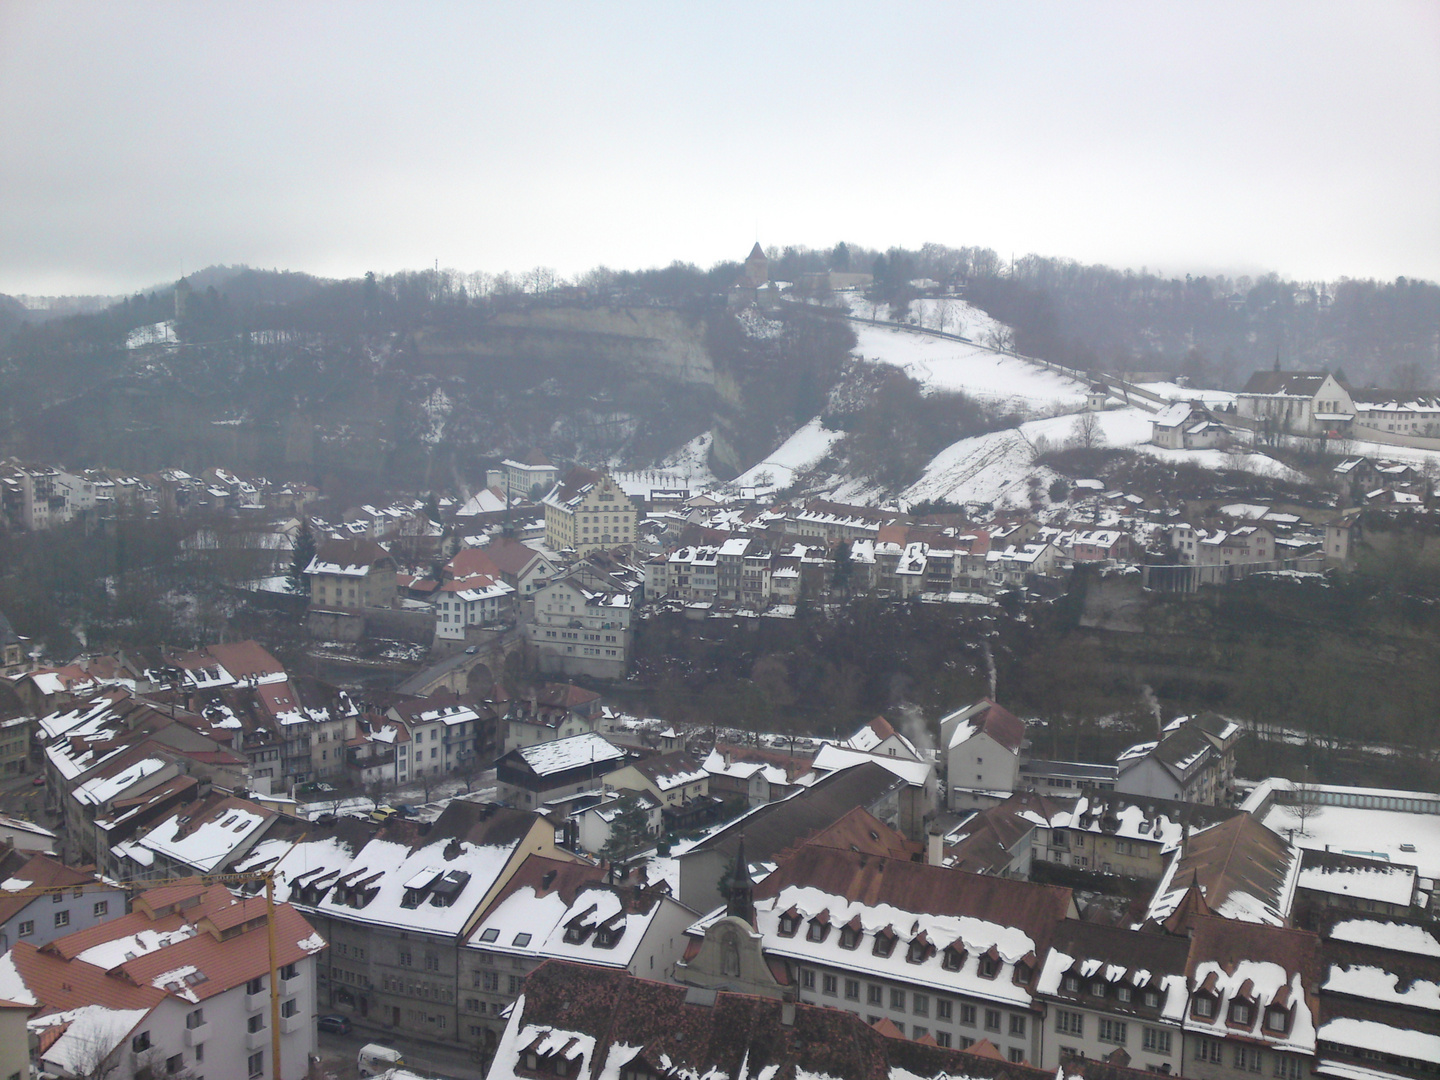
1238	865
667	1023
60	984
244	659
546	876
229	963
39	871
469	562
509	555
916	887
860	830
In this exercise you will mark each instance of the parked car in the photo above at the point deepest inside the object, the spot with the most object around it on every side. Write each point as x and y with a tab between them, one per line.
382	814
335	1022
374	1059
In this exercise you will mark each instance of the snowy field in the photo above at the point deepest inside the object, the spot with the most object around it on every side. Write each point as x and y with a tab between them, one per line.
160	333
796	454
996	468
1364	832
693	460
997	379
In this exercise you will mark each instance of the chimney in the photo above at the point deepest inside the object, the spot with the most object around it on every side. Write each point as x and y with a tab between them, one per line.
934	845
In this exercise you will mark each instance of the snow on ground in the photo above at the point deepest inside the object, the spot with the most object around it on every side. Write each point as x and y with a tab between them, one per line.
943	365
1357	831
1175	392
160	333
796	454
996	467
693	460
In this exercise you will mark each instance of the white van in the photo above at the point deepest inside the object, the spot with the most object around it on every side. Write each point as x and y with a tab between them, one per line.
374	1059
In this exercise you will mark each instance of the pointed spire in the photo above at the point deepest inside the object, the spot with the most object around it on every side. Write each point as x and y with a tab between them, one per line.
741	902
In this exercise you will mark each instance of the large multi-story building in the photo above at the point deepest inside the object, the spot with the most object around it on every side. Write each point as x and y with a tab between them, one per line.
588	511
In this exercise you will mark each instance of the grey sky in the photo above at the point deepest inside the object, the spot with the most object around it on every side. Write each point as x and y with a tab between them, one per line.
339	137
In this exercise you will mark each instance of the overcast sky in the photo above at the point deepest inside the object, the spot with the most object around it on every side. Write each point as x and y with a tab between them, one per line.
138	140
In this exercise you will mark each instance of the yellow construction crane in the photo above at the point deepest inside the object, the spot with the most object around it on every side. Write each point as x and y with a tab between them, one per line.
265	876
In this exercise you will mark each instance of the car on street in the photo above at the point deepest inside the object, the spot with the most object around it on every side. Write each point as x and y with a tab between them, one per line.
335	1022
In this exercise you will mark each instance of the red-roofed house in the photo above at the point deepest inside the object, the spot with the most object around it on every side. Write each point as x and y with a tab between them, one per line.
982	746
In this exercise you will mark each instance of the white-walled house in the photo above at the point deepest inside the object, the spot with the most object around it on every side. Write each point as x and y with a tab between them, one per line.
179	985
981	746
39	920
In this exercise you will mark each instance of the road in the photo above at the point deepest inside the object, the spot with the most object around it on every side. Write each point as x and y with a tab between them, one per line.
338	1054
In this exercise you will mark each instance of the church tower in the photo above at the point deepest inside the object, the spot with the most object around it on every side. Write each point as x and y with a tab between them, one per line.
757	267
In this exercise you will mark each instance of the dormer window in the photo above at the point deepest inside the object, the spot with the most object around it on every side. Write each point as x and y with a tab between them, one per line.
1123	993
953	958
818	930
1203	1007
789	924
988	966
849	937
576	933
918	951
1240	1012
1072	984
607	936
885	942
1152	999
1097	989
1277	1020
1022	974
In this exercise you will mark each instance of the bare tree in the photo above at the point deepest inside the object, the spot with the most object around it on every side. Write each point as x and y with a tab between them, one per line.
1086	433
1306	806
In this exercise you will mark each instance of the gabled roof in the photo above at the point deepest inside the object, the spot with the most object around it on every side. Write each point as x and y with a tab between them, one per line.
1290	383
35	872
991	719
605	1020
1244	871
353	557
770	828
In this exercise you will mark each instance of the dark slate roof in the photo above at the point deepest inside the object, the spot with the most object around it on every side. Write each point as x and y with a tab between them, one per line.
776	826
1299	383
1184	752
7	632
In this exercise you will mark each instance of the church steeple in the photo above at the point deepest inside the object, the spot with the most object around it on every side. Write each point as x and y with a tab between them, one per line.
741	901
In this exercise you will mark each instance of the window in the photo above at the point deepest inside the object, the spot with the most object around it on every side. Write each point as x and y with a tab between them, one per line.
140	1043
988	967
62	918
257	1063
289	971
55	898
1070	1023
817	931
255	1023
432	962
174	1064
828	985
1204	1007
918	1032
1097	989
1123	993
512	984
807	979
1017	1055
944	1009
255	985
920	1005
788	925
874	994
490	980
852	989
1112	1031
1207	1050
884	943
27	928
194	1018
1152	999
200	1055
1276	1019
1247	1058
897	999
967	1014
992	1019
1240	1012
943	1038
1072	984
405	959
849	937
1286	1068
101	908
289	1007
1017	1025
1157	1040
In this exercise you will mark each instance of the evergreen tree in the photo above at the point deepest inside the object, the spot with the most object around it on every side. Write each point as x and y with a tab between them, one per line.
304	552
629	833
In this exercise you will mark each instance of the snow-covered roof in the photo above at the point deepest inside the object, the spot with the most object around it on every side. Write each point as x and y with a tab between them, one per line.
573	752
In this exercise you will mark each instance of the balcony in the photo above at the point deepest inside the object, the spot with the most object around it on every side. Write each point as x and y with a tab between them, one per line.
196	1035
257	1040
256	1002
291	1024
